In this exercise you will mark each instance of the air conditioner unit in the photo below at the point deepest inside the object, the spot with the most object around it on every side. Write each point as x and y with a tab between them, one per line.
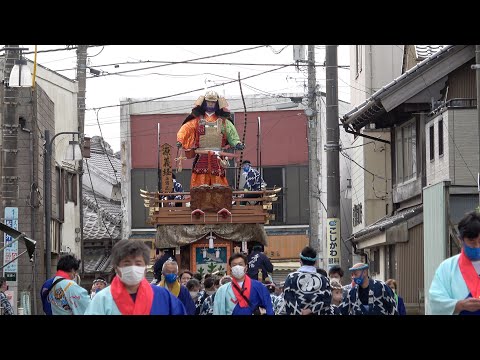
298	52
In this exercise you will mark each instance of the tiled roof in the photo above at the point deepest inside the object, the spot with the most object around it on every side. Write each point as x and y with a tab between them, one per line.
389	221
424	51
95	228
97	260
111	209
102	164
372	108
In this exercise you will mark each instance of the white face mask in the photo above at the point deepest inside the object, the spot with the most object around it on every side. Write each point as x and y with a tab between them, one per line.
132	275
238	271
210	292
193	294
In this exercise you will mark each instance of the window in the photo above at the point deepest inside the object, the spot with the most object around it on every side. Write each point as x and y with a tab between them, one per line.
358	59
432	143
71	187
55	233
375	261
440	137
60	194
406	152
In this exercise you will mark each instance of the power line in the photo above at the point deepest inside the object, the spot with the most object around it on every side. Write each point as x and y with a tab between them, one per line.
353	87
167	63
340	202
354	191
55	50
184	61
373	180
175	108
349	158
96	202
167	75
91	56
50	61
253	88
188	62
148	132
276	52
353	147
359	201
349	227
105	150
459	152
185	92
187	108
108	156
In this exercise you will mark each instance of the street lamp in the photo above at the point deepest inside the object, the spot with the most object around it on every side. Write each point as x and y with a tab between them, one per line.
20	75
73	153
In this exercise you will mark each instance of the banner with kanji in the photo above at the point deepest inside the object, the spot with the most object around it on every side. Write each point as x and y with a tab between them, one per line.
166	167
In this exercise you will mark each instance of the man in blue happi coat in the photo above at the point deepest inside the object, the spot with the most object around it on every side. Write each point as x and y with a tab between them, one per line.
242	296
368	296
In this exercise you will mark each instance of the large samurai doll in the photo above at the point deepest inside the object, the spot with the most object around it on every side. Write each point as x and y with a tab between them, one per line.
204	134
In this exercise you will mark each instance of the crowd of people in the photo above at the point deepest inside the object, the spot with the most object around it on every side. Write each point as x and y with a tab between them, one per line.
249	290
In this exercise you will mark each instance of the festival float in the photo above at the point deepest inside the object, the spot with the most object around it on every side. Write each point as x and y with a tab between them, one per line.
213	220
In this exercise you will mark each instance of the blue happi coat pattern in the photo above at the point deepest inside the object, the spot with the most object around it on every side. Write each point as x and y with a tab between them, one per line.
207	306
381	300
177	187
307	290
253	180
279	305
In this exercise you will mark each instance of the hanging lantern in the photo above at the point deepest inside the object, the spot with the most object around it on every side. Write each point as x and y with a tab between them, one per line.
244	247
210	240
217	253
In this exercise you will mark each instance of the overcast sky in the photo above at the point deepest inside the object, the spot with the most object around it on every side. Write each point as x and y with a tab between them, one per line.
172	79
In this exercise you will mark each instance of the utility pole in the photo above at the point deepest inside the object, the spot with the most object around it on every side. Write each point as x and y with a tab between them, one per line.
82	82
9	172
332	148
47	163
313	171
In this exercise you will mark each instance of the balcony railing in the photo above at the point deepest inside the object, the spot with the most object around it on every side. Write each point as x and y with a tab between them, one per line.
457	103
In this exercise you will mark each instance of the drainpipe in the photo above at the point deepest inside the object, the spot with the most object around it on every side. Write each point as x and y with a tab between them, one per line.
22	122
371	70
360	252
